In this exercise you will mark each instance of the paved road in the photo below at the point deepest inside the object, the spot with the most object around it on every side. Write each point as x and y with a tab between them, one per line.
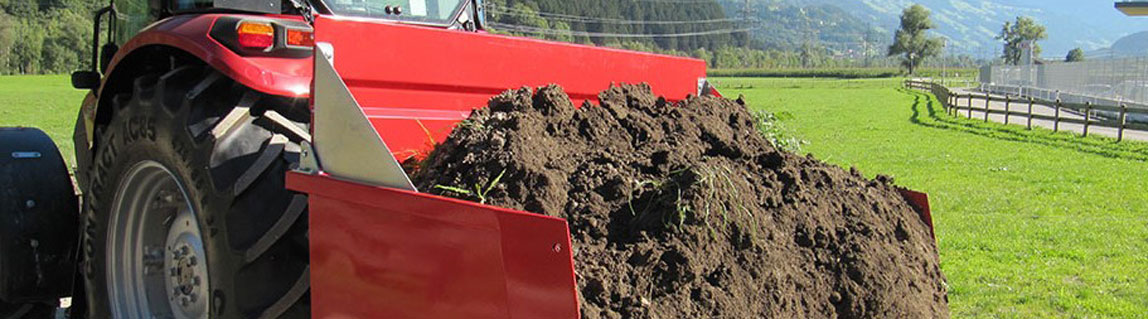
998	103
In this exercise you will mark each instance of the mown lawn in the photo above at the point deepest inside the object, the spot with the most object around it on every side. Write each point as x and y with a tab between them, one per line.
48	102
1030	224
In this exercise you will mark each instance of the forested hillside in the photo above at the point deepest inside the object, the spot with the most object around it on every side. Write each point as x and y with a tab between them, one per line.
669	25
737	33
44	36
712	30
784	25
970	25
53	36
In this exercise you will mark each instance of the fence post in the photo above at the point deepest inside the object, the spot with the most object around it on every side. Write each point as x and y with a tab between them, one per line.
1123	119
953	105
945	104
1087	117
948	110
1030	101
1056	122
970	105
988	106
1007	101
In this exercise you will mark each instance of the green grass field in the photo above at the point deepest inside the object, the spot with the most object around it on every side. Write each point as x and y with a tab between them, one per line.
1030	224
843	73
48	102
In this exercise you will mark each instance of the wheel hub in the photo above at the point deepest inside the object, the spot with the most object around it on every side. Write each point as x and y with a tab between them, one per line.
185	270
156	259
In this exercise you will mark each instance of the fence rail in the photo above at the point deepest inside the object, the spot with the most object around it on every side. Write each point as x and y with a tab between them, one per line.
1091	115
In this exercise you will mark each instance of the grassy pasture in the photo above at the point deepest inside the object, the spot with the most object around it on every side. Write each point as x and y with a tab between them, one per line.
1030	224
45	101
843	73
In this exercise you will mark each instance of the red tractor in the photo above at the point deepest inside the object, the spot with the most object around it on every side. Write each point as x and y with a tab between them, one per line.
239	159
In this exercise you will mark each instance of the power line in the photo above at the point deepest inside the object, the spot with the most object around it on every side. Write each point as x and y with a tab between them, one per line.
536	30
698	2
626	22
597	20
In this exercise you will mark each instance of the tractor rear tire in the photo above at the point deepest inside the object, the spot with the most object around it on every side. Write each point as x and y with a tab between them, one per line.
187	214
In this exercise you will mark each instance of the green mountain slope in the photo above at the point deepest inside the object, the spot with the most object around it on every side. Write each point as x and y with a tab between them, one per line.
970	25
614	21
786	25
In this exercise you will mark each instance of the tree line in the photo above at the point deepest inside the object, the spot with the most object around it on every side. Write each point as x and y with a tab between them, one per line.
552	20
45	36
54	36
913	45
593	21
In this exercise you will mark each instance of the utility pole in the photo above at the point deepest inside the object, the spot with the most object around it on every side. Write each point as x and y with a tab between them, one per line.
746	12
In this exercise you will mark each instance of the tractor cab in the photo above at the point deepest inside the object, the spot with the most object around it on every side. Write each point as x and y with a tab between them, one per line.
133	15
285	17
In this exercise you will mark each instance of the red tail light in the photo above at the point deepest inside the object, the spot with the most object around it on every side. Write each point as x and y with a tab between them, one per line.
256	35
300	38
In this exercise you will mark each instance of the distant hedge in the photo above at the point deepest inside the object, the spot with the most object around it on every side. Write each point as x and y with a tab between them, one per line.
841	73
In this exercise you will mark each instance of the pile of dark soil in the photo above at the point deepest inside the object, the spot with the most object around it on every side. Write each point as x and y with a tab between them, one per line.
685	211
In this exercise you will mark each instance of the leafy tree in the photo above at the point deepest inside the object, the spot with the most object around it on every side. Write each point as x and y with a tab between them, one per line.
912	42
1014	35
527	16
65	39
27	49
703	54
1076	55
45	36
810	54
563	32
20	8
7	41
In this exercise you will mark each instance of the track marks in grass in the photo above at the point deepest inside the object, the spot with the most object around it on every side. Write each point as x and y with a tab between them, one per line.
1102	146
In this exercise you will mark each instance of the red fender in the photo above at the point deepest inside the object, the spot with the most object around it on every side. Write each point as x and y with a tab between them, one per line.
281	76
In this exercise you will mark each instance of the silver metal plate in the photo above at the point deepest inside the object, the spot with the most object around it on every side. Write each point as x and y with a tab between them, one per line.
346	145
307	162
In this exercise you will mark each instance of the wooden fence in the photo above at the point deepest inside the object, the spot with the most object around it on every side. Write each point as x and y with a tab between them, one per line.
1111	116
